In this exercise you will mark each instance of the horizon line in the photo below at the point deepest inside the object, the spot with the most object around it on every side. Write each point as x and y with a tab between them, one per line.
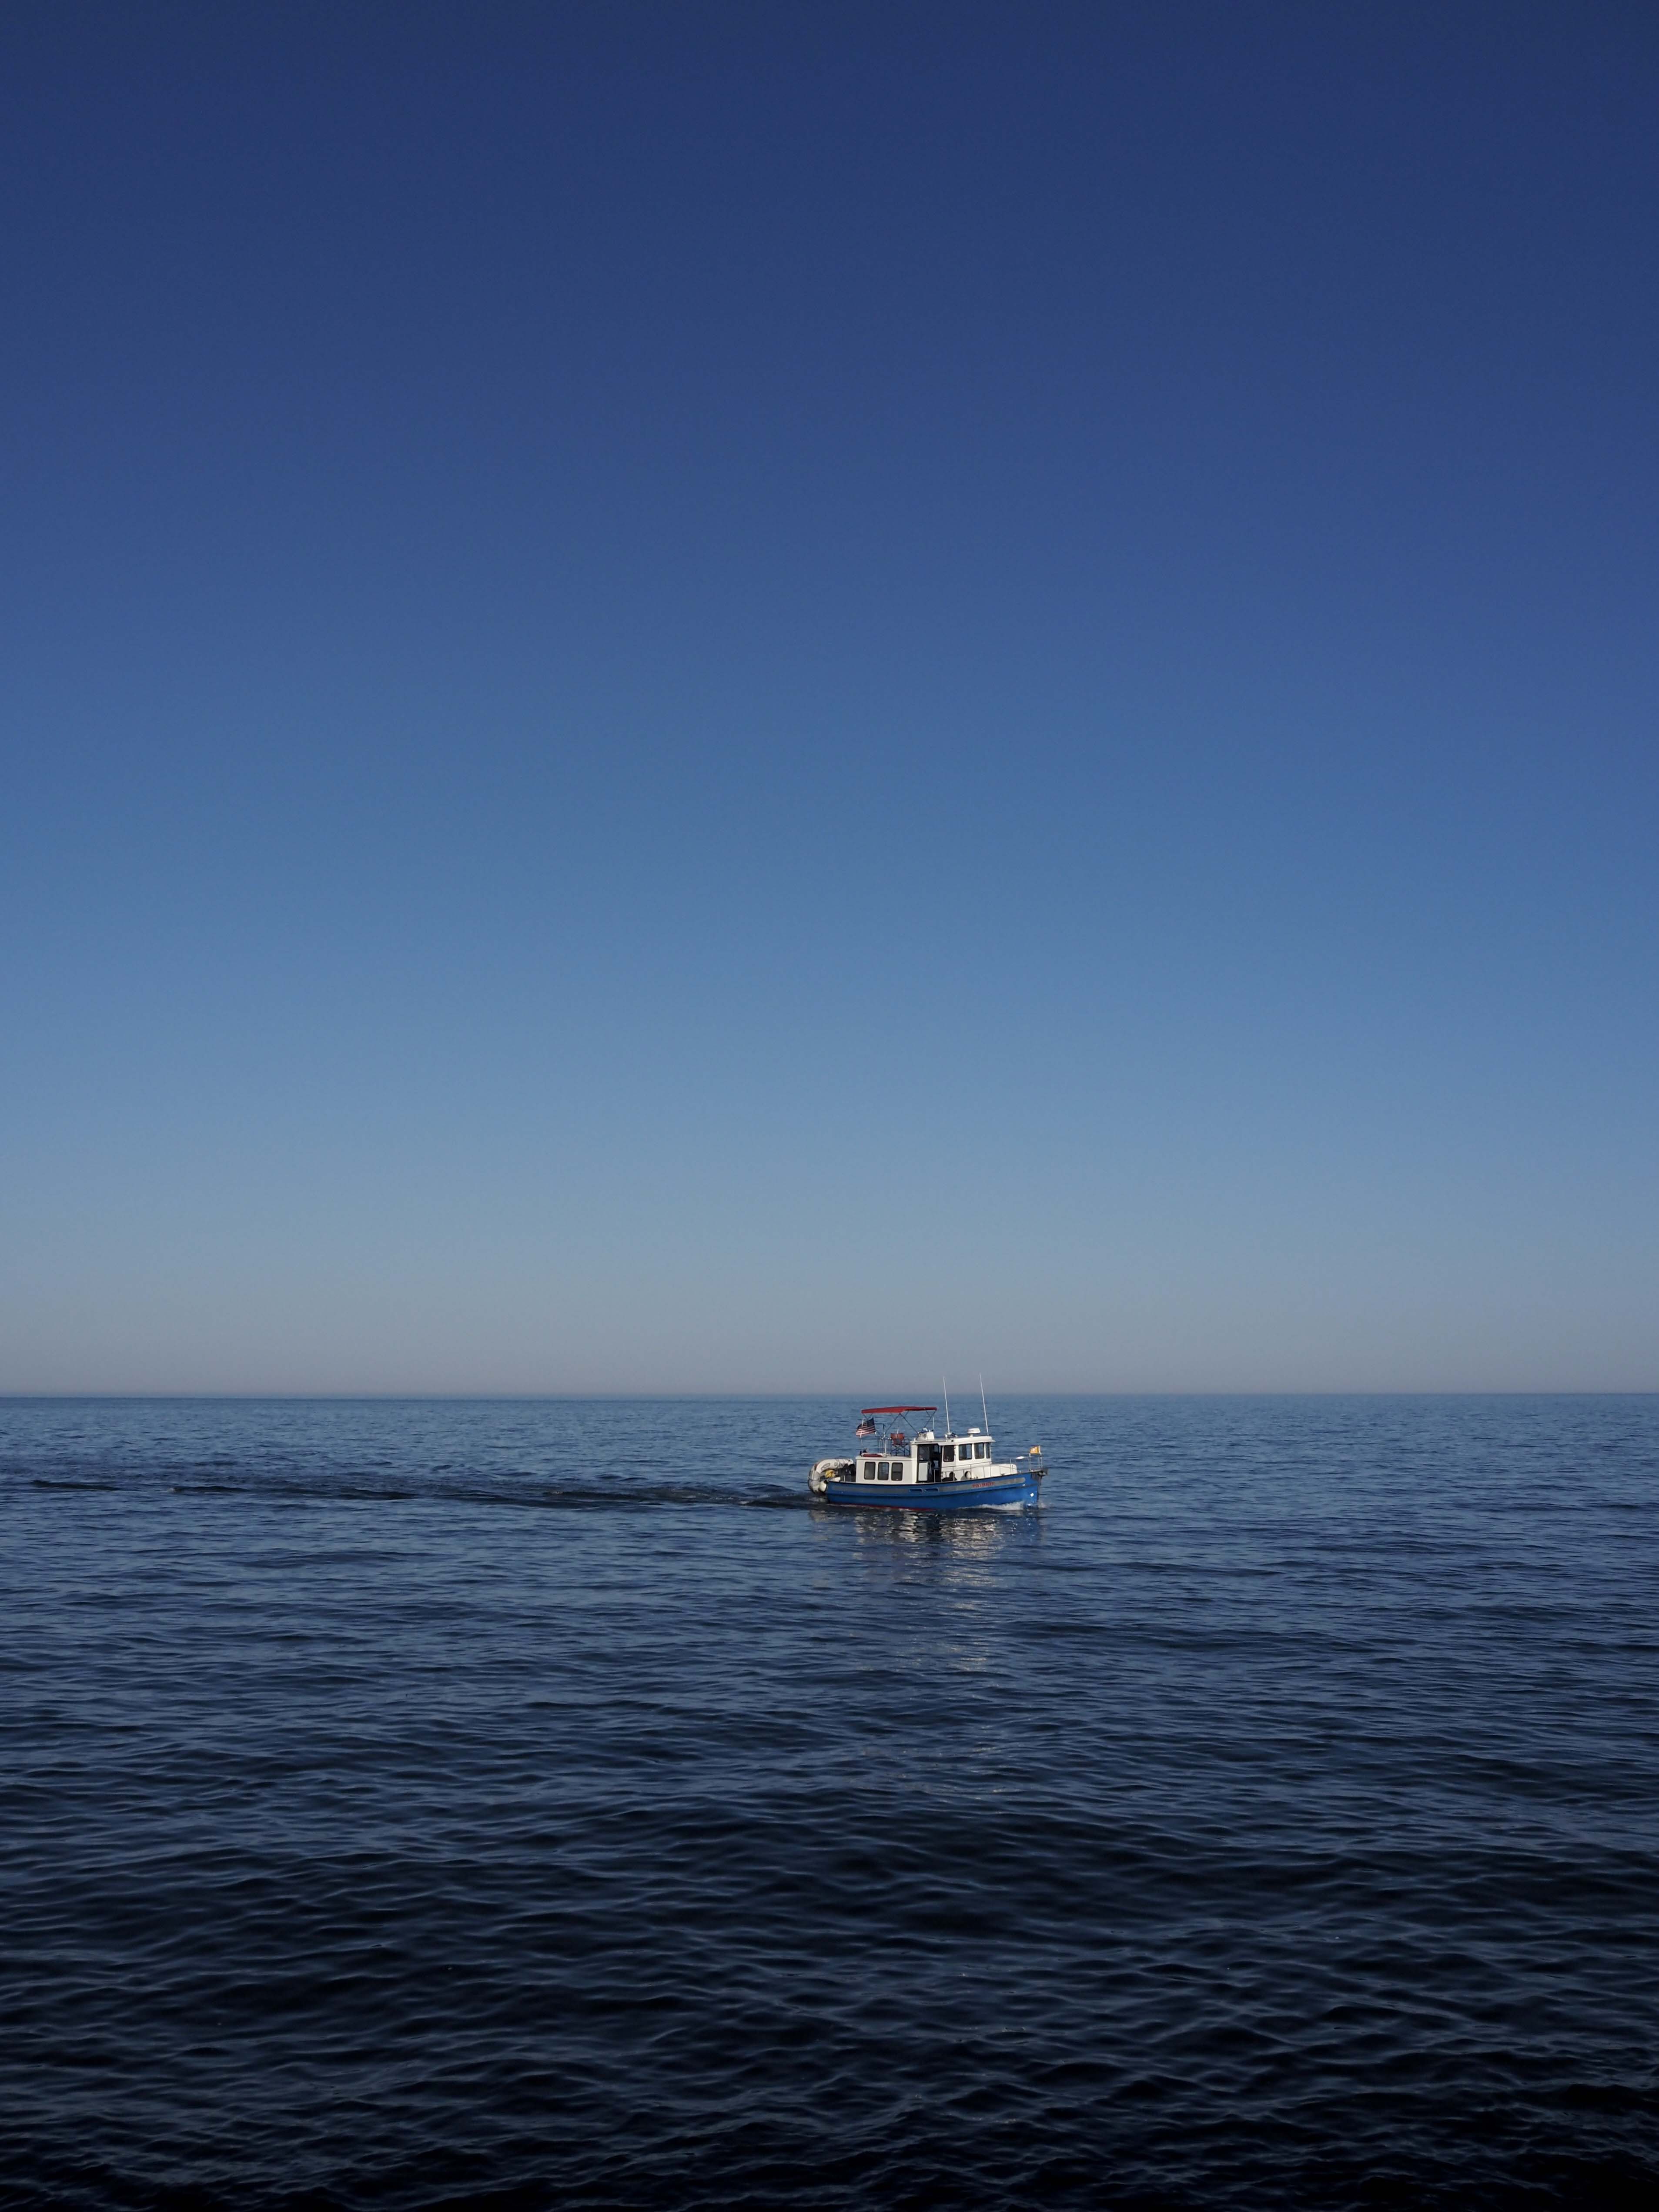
665	1396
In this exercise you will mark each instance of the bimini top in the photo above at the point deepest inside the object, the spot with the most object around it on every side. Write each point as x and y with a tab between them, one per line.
868	1410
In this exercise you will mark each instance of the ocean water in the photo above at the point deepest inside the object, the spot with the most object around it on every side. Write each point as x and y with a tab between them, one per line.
544	1804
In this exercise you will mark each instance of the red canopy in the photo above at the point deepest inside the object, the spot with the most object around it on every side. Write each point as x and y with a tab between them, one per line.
869	1410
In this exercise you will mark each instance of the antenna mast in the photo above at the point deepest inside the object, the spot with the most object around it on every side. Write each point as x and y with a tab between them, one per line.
946	1387
984	1416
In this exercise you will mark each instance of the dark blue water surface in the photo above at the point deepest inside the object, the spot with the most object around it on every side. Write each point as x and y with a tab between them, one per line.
544	1804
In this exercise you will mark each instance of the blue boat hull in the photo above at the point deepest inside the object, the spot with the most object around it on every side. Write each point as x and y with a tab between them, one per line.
1023	1489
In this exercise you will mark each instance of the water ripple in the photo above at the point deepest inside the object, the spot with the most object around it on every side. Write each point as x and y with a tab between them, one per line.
440	1805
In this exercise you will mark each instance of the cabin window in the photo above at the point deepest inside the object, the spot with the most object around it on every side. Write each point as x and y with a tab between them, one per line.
881	1471
981	1451
949	1451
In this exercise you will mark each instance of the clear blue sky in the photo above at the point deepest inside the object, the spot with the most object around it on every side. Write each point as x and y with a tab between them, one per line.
705	697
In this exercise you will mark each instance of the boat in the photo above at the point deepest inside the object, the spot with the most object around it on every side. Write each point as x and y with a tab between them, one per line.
892	1466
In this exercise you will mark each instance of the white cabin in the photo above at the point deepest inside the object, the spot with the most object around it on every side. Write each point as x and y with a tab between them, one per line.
930	1458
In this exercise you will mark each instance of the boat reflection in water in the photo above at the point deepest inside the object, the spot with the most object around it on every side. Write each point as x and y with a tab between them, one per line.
962	1538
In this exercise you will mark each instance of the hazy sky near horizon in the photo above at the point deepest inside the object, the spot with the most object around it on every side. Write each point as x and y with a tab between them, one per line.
752	697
